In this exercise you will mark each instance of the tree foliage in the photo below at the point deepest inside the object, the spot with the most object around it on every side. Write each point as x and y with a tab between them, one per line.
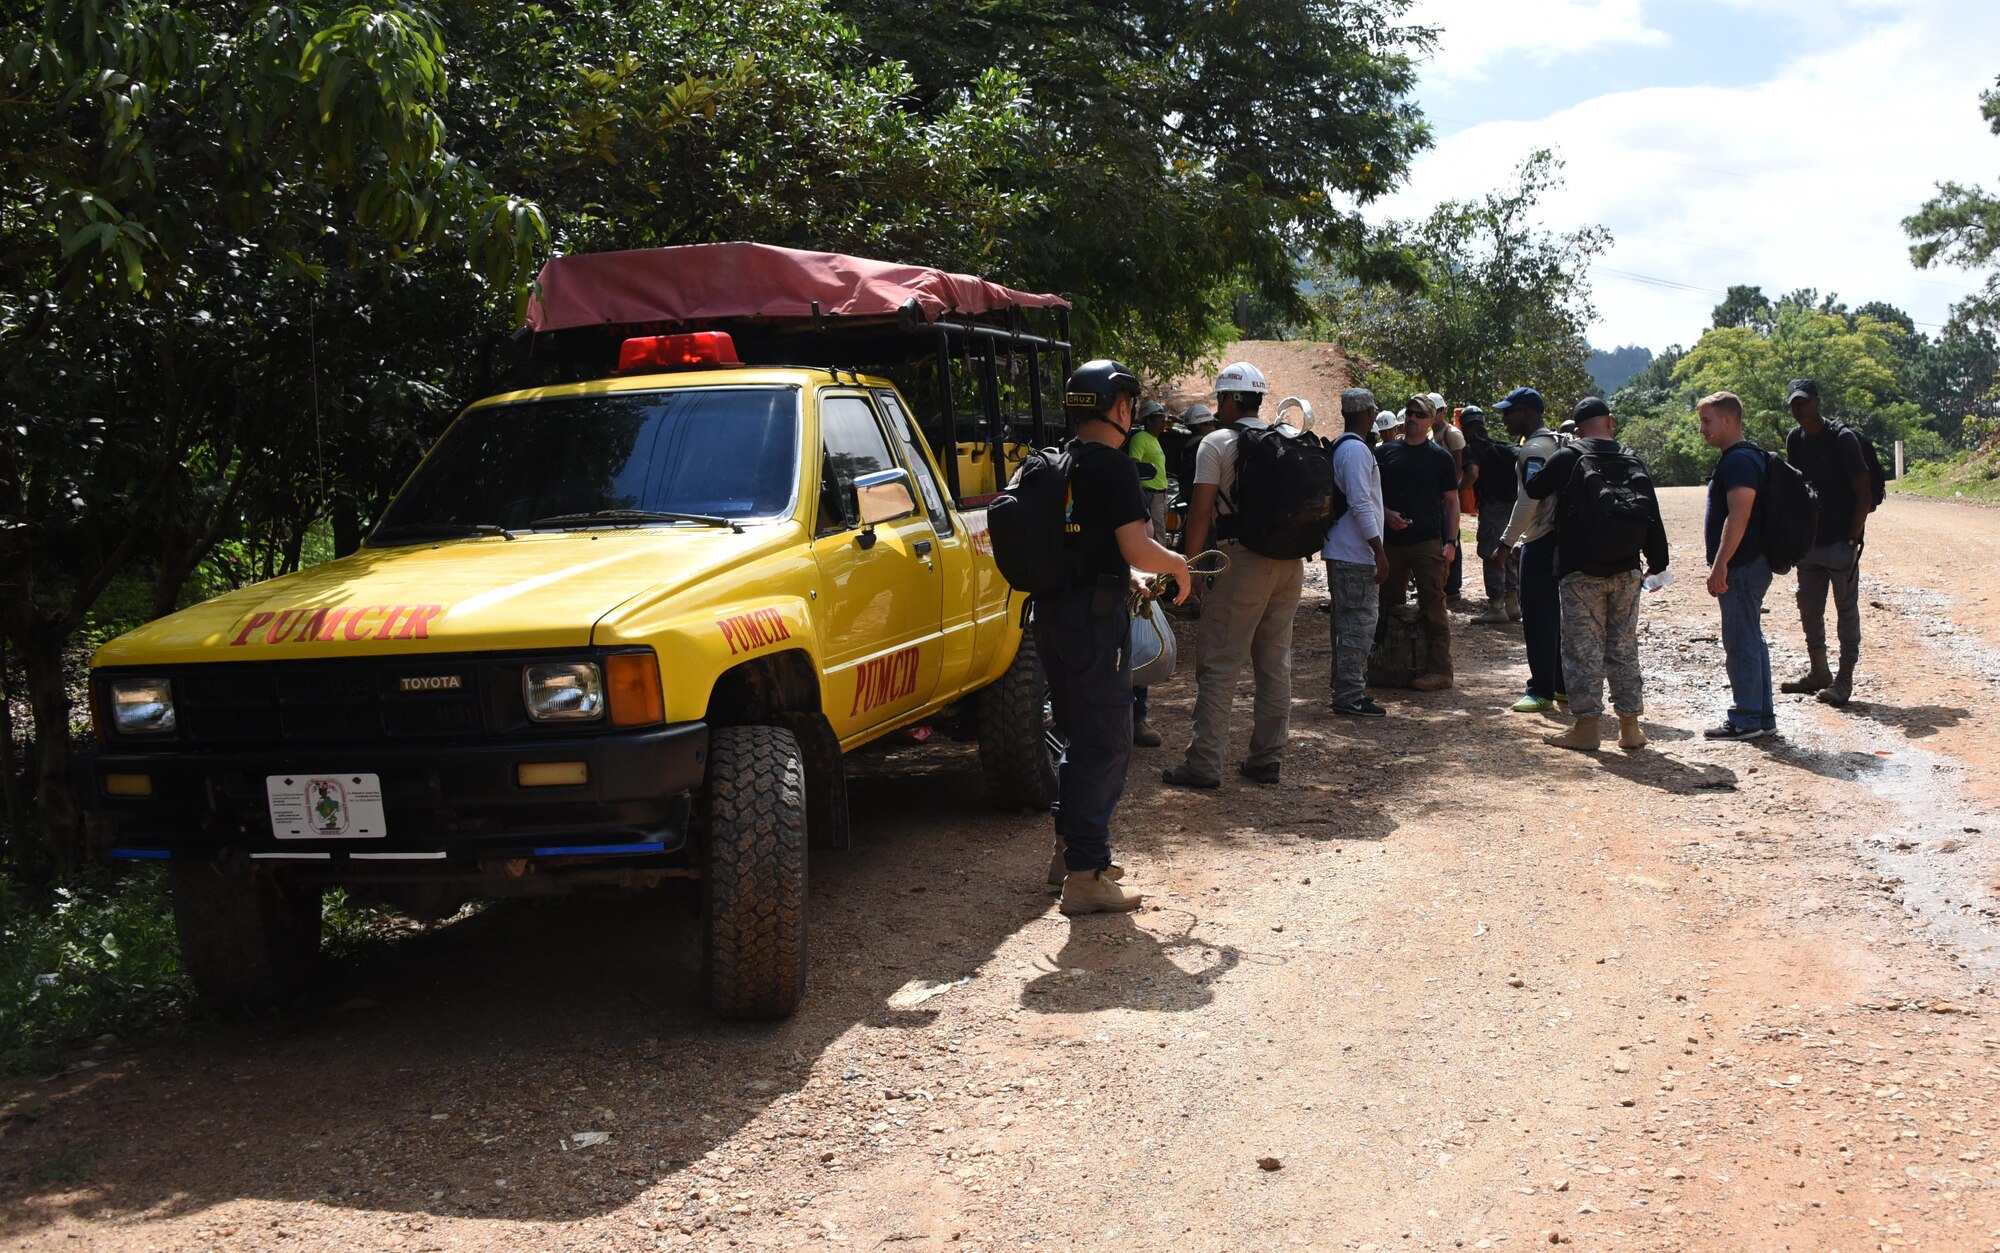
1501	301
1961	226
1182	152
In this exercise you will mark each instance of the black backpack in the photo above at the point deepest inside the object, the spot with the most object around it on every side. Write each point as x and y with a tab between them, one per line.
1878	482
1283	497
1606	510
1787	512
1029	524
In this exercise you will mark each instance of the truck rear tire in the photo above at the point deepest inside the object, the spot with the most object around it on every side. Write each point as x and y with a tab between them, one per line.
247	940
754	925
1018	743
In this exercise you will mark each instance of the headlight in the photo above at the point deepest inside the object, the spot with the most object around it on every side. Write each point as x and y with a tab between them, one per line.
570	691
142	706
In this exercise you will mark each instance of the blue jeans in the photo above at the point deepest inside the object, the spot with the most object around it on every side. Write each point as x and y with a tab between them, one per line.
1089	670
1743	644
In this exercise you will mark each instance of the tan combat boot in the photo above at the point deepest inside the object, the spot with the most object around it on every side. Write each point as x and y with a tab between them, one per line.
1583	737
1059	869
1630	737
1495	614
1513	606
1143	734
1096	892
1816	677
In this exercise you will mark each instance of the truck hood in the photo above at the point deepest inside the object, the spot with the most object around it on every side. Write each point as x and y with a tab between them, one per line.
543	590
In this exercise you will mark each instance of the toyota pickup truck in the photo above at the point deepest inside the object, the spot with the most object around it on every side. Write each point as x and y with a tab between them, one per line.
613	632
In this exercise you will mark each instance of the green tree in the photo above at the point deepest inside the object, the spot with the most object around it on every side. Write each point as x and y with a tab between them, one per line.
1961	226
1183	152
1501	302
1854	359
1744	306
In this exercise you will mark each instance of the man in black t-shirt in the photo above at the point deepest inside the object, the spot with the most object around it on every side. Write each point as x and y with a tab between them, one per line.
1420	507
1083	633
1490	466
1831	458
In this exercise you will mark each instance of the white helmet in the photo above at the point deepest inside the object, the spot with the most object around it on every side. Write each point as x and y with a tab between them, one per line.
1386	421
1437	402
1241	377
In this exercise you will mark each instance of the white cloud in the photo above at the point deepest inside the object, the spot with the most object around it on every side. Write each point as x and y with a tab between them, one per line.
1479	33
1799	181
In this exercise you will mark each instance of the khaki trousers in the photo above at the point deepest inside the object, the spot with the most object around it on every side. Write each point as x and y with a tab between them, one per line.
1246	616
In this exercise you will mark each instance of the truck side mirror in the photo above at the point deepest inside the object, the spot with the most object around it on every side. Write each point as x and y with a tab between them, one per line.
884	496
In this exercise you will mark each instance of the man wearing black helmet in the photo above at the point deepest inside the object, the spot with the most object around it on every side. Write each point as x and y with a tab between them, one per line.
1082	634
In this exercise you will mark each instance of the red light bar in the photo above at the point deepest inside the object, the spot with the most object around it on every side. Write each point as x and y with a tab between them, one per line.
677	352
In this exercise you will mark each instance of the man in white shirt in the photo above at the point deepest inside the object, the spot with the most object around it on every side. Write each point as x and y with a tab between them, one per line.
1356	564
1247	615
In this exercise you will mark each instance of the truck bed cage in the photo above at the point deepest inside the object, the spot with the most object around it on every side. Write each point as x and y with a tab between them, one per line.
784	307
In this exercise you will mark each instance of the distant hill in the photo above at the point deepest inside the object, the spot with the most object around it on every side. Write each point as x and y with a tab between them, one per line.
1611	369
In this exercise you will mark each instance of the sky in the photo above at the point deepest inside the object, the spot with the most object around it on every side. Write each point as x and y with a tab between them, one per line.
1771	142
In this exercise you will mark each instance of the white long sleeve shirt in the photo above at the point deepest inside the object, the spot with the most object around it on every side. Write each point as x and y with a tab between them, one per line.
1356	474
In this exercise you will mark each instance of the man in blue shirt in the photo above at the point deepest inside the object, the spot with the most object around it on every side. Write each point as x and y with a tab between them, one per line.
1739	574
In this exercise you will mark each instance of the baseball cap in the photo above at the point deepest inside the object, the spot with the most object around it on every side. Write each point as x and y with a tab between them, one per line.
1523	397
1437	401
1357	400
1420	405
1587	408
1802	387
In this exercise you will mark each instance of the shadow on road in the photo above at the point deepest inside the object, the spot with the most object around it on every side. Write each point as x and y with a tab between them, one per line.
1914	721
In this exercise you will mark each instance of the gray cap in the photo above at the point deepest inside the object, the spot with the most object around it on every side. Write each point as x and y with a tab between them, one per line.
1357	400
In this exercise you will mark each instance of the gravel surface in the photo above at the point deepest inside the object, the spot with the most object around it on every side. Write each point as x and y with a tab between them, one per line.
1442	987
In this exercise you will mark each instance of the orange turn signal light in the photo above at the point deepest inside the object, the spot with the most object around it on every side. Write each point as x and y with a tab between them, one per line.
633	682
128	785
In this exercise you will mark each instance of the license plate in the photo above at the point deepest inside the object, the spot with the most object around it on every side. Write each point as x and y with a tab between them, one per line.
326	806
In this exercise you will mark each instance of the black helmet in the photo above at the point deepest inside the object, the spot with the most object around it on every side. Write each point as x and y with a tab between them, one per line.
1096	386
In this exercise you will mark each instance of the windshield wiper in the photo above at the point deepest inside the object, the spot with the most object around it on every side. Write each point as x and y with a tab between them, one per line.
436	530
614	517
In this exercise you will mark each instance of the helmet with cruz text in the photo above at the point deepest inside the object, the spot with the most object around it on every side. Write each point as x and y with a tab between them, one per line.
1095	386
1241	377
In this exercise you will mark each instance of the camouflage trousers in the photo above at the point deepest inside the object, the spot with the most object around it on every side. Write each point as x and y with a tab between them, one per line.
1600	642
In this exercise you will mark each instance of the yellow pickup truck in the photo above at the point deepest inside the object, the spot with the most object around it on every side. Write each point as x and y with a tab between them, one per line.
612	632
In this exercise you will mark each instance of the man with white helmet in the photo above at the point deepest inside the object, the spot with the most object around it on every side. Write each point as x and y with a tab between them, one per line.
1247	615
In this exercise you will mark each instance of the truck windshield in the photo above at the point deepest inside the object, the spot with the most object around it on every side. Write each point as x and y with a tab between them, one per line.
710	453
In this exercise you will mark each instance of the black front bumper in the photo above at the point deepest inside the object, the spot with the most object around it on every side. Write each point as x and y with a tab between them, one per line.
463	800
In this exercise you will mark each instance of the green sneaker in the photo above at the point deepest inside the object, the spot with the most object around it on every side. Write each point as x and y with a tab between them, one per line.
1532	705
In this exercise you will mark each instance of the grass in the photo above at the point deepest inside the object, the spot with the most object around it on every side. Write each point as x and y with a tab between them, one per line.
91	960
1973	477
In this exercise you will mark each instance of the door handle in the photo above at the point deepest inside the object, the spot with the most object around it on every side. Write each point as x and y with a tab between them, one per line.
923	549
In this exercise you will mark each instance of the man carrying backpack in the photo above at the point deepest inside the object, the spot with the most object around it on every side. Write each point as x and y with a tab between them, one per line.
1083	629
1247	615
1420	509
1837	463
1356	564
1739	572
1531	530
1607	517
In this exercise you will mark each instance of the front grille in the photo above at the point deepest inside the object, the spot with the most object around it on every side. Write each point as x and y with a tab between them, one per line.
344	701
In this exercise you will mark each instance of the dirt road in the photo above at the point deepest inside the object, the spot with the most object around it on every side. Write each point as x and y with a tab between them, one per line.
1458	988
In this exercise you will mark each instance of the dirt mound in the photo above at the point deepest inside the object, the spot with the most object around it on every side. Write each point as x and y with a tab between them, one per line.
1314	372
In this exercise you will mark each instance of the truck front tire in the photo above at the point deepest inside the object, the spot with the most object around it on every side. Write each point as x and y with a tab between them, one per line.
247	940
1017	746
754	925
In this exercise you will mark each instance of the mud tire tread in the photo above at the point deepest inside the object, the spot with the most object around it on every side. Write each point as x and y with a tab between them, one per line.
247	941
754	935
1013	751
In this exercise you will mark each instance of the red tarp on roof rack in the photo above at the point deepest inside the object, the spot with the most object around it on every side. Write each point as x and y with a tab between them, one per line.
700	282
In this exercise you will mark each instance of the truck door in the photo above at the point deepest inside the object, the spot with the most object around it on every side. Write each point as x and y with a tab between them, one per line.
882	598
